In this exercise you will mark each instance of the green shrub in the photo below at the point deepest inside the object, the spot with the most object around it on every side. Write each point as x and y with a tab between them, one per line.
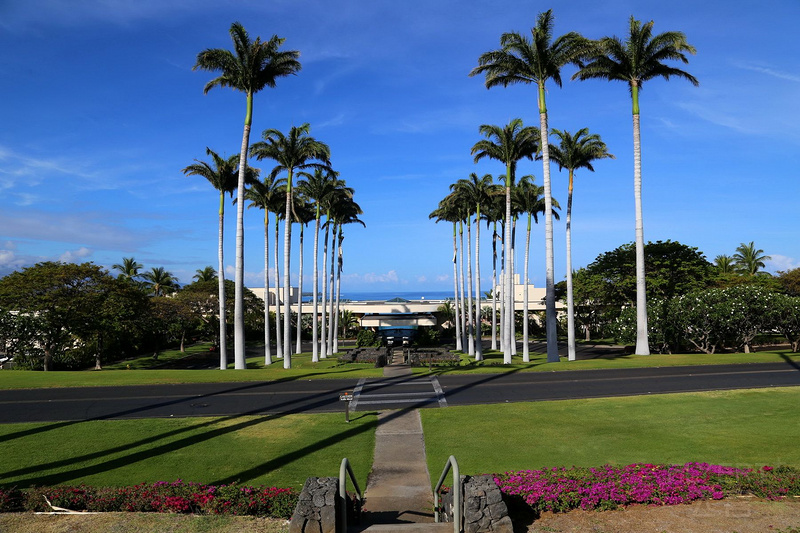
367	337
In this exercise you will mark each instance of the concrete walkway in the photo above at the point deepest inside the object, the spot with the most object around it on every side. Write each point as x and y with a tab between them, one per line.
399	487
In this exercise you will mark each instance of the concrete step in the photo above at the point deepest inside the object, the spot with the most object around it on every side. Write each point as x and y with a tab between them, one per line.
431	527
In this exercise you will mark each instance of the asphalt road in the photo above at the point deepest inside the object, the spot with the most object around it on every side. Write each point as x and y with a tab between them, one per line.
317	396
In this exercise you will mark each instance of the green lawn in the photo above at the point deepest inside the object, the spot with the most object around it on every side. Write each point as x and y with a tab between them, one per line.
302	368
738	428
145	371
271	450
493	362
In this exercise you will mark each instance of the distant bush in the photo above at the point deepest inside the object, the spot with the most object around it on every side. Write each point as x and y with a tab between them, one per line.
367	337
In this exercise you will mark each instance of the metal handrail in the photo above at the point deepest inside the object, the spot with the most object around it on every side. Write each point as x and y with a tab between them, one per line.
451	461
342	494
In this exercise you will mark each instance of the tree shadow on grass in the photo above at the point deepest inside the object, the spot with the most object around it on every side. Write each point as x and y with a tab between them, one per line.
131	413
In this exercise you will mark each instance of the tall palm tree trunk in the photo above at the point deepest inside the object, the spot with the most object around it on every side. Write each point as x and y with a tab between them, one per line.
571	356
459	346
509	289
470	315
287	253
278	331
494	287
238	300
340	263
332	288
299	349
502	288
550	298
315	295
223	320
464	312
526	355
512	270
267	347
642	343
323	343
478	346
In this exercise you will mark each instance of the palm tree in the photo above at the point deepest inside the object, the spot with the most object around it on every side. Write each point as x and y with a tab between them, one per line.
748	259
574	152
638	59
447	213
508	145
323	188
293	152
529	198
251	66
476	193
520	60
223	176
345	212
205	274
493	215
266	195
303	214
128	269
159	281
724	264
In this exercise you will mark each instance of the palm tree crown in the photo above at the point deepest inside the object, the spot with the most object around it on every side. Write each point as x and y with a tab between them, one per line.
251	66
205	274
638	58
534	60
748	259
128	269
159	280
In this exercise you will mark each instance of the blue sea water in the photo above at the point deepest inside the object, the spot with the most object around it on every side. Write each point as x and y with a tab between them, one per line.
389	295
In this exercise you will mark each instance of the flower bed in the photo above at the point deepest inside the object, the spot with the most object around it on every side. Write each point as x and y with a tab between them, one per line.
159	497
609	487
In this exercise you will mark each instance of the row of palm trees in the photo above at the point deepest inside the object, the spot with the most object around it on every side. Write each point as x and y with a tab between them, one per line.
319	196
249	68
485	200
638	58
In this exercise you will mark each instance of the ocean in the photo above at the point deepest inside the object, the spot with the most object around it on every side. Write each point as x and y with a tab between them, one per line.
390	295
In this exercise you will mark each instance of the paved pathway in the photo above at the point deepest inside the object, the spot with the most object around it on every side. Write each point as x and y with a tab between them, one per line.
399	486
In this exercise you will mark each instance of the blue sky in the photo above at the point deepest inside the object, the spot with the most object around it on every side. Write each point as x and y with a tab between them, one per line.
100	111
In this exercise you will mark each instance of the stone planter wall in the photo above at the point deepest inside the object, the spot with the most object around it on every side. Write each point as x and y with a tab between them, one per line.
316	507
484	508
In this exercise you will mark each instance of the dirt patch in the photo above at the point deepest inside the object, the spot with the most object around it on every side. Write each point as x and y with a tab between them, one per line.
725	516
138	523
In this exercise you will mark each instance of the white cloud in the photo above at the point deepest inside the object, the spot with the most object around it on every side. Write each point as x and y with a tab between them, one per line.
442	277
388	277
72	256
781	263
422	279
790	76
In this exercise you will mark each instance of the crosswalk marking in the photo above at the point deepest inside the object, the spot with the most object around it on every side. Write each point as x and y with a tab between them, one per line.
433	392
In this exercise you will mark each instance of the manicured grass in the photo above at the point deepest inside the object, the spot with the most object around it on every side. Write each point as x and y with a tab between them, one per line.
302	368
147	362
271	450
742	428
493	362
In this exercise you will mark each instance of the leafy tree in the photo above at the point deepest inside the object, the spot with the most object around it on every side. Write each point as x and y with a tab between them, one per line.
60	303
785	316
790	281
536	61
508	145
637	59
749	260
575	152
251	66
293	152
